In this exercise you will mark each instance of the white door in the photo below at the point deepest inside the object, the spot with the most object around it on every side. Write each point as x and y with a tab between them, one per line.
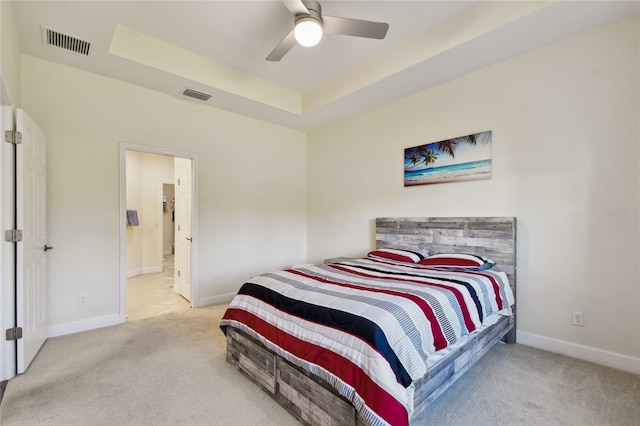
31	196
184	238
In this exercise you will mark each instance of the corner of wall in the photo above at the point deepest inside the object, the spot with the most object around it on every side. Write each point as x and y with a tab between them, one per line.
10	57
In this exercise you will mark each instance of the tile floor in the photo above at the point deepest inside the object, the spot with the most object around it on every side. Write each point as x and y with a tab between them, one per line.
152	294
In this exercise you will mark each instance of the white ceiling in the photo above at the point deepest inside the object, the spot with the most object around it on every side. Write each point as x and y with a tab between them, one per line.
218	47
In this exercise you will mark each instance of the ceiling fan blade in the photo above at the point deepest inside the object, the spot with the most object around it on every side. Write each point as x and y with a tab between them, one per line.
282	48
354	27
296	7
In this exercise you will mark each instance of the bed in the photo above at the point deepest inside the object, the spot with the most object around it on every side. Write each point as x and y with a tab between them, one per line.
374	341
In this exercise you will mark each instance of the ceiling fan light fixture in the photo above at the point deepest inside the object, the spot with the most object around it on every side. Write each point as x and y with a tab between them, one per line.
308	31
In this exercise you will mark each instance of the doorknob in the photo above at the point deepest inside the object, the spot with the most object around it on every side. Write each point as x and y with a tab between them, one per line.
46	247
188	238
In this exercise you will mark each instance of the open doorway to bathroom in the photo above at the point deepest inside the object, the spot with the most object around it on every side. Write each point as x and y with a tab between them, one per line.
153	263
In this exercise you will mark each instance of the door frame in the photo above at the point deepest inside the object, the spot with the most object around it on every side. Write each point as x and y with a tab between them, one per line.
8	365
123	148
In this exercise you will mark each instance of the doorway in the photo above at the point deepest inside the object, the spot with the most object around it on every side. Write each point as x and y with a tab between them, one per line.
151	276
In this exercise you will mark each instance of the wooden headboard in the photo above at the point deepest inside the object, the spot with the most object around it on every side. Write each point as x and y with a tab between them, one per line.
493	237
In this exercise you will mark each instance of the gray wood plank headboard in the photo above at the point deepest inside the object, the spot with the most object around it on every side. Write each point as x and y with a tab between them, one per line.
493	237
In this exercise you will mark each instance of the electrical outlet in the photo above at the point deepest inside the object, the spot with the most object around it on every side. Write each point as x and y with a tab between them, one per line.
82	299
577	318
251	274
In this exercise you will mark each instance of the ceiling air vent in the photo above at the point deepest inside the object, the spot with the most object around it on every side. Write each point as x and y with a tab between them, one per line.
197	95
64	41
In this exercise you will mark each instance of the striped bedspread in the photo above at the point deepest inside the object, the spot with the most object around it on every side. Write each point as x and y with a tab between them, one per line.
367	326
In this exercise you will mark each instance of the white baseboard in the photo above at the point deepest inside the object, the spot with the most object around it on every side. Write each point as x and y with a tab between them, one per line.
575	350
142	271
216	300
134	273
82	325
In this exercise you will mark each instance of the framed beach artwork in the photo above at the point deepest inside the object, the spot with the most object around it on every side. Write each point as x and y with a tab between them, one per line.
451	160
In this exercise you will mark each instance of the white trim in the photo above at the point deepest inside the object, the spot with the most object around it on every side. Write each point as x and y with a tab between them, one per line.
134	273
575	350
124	147
152	270
141	271
216	300
82	325
7	220
7	252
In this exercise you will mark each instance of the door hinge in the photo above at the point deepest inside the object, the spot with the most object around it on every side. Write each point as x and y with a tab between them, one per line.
11	136
13	235
178	274
13	333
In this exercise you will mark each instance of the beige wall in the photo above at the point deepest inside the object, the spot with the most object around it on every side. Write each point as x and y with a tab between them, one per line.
10	50
251	179
133	201
144	243
157	169
565	156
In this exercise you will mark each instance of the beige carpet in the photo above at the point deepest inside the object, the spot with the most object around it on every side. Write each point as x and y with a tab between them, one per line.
171	370
166	370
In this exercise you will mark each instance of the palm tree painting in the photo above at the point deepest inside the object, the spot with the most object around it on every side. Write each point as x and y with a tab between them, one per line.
451	160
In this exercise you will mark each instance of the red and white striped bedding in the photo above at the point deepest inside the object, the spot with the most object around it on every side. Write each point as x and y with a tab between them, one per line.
368	326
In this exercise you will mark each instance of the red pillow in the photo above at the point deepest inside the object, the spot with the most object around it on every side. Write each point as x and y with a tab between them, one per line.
397	254
461	261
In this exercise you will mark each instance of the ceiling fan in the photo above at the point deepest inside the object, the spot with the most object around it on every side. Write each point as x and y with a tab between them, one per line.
309	25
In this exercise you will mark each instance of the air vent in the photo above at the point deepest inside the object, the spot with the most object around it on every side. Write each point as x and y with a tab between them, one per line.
57	39
197	95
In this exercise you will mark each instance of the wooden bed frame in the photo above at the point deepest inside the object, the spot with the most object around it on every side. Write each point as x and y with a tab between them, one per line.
312	400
